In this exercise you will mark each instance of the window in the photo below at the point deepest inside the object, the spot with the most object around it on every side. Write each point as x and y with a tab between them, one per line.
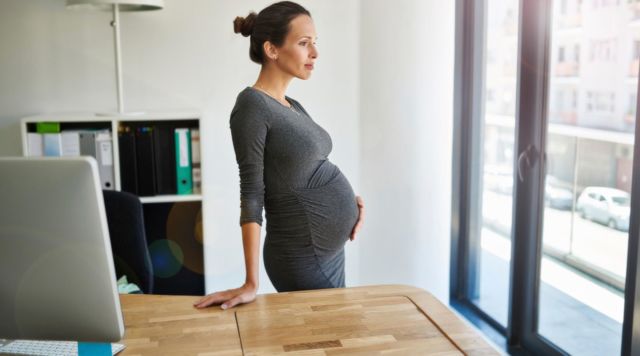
604	3
542	214
602	102
603	50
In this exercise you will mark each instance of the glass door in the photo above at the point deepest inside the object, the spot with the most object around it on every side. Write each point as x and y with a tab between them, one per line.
591	103
490	239
545	247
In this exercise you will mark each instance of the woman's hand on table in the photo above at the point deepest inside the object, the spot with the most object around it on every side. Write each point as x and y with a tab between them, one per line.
229	298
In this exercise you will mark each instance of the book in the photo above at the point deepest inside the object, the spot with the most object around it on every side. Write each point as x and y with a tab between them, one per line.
145	161
47	127
165	159
70	143
183	161
196	174
34	144
128	163
52	144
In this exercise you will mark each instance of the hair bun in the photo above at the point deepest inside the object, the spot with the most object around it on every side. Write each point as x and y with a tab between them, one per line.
244	25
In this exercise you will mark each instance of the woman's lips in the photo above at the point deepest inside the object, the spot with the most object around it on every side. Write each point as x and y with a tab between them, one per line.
308	66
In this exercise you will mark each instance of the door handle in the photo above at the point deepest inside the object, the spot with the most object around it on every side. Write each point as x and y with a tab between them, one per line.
524	158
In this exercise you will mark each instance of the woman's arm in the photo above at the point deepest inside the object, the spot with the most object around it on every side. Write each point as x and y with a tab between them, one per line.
249	128
251	245
247	292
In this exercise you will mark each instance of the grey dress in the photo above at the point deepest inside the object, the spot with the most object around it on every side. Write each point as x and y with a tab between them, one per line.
310	207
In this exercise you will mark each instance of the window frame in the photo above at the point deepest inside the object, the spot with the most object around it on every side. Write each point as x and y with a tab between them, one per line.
520	333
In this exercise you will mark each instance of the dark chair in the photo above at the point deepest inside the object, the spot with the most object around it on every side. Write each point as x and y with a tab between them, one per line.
128	239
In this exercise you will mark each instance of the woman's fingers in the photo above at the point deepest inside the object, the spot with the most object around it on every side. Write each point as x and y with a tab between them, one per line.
228	298
232	303
360	220
361	207
356	228
211	299
208	300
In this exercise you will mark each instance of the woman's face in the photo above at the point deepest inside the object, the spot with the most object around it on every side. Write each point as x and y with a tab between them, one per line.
298	53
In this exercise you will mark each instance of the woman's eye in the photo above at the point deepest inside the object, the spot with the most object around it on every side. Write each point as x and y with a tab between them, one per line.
303	43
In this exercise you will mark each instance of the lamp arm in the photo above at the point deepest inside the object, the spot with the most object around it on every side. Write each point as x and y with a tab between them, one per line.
116	34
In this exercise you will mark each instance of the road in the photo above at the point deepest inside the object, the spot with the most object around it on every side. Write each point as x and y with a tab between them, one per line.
594	243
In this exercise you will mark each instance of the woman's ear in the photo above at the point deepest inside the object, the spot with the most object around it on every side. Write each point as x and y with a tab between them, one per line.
270	50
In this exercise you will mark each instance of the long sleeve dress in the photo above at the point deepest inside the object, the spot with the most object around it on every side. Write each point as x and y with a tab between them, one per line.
310	207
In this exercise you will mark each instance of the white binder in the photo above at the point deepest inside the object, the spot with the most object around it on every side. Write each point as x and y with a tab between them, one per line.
104	156
34	144
70	143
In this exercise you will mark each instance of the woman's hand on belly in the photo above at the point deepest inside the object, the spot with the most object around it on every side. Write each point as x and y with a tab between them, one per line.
230	297
360	220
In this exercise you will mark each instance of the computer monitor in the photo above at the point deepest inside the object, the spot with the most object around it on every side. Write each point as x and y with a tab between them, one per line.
57	278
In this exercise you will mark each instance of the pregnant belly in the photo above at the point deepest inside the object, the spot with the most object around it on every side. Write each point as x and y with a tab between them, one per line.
331	212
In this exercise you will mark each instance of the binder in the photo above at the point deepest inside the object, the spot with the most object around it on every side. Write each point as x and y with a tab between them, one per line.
87	143
165	159
128	168
52	144
104	156
47	127
70	143
196	176
145	162
97	144
196	179
34	144
183	161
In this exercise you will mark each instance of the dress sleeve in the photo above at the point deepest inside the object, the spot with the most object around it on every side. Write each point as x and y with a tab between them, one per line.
249	128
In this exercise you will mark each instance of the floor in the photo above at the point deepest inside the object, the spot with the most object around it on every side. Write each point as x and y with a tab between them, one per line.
578	314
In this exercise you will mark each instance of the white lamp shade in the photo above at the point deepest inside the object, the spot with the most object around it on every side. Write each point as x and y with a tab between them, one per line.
124	5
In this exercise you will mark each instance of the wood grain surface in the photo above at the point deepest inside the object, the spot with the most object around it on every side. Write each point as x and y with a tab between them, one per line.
370	320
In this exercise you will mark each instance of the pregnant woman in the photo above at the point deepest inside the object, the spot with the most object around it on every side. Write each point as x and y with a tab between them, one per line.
282	155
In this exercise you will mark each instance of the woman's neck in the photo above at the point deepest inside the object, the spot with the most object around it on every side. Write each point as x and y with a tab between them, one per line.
274	82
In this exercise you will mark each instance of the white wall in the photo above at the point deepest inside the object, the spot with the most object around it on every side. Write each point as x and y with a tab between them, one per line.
406	138
382	88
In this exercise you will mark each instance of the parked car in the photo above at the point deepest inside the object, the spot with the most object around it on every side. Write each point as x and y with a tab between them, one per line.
556	196
605	205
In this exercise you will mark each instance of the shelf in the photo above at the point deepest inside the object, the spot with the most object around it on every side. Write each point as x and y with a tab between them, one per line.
171	198
173	217
92	117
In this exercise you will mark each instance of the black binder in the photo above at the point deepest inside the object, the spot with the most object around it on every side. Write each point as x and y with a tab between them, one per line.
145	162
128	169
165	159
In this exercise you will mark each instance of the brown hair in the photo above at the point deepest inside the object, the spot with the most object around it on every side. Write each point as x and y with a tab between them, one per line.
271	24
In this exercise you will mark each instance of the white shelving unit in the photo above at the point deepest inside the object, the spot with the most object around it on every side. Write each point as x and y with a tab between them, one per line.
114	123
89	121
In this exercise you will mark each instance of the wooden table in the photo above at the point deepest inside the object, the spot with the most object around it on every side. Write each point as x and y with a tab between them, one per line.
367	320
